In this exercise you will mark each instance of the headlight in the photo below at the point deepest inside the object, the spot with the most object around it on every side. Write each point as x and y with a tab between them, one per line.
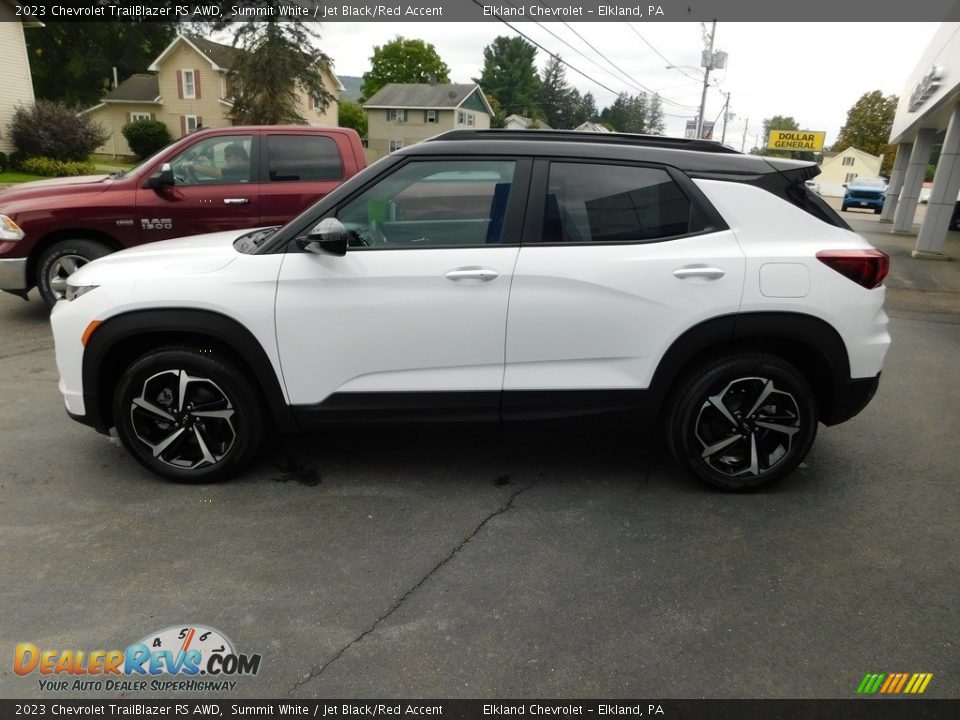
9	230
75	291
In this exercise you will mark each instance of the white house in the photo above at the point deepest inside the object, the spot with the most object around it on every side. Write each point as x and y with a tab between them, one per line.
16	89
522	122
842	167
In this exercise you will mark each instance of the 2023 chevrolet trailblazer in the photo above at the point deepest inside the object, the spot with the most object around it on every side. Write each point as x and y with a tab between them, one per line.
496	275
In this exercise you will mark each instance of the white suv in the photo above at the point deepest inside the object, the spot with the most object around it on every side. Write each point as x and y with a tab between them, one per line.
503	276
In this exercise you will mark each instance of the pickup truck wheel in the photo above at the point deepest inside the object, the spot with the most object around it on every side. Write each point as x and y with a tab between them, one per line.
188	414
742	421
60	261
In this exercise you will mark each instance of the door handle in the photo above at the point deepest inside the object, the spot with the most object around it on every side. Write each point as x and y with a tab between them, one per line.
472	273
699	271
236	201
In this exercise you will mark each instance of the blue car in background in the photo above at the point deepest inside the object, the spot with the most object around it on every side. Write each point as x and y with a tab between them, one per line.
865	194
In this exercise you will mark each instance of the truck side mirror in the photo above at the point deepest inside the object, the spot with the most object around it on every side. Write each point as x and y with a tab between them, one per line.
162	178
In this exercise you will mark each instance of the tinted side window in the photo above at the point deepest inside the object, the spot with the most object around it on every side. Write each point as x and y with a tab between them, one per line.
303	158
612	203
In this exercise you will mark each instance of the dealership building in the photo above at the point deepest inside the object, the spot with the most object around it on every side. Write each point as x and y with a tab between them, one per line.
928	114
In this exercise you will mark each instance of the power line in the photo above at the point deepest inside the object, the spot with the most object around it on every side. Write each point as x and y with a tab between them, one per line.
624	73
662	56
553	55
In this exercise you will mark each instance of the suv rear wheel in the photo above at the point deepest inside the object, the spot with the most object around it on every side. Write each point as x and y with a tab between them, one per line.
60	261
742	421
188	415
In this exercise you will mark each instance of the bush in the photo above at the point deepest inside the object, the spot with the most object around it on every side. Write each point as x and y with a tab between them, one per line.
145	137
14	160
4	163
53	130
48	167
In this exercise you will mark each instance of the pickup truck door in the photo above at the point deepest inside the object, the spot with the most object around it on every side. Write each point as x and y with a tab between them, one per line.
298	169
216	189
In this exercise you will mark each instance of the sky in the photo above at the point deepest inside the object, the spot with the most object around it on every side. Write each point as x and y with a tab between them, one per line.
812	71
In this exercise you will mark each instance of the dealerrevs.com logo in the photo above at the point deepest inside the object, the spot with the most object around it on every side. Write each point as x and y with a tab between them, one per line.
185	658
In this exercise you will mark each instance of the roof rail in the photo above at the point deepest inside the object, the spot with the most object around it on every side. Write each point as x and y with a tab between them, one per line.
612	138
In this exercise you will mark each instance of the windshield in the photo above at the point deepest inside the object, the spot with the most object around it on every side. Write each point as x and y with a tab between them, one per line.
868	183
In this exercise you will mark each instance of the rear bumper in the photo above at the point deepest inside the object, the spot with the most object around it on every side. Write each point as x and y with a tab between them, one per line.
849	399
13	274
864	203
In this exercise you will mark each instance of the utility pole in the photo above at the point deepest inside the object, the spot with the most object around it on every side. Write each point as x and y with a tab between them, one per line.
743	142
708	65
726	116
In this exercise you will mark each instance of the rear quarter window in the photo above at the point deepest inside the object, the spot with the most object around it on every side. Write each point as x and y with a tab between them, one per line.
303	158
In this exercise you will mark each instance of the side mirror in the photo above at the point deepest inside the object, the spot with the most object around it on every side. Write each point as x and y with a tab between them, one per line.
162	178
328	236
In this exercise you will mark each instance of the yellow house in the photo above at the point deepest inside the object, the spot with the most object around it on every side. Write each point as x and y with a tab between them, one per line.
189	85
16	88
401	114
842	167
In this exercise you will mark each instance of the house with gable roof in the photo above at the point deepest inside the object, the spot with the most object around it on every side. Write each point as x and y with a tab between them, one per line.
189	85
401	114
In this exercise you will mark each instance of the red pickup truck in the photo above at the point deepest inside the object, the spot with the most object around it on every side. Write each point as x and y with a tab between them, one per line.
217	179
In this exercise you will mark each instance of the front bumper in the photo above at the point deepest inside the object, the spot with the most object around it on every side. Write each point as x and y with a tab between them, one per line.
864	203
13	274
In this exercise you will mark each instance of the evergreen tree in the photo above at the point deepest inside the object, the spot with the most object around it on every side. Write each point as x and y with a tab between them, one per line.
557	101
277	61
510	75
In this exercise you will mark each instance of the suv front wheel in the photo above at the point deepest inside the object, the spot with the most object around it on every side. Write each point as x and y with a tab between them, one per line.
742	421
187	414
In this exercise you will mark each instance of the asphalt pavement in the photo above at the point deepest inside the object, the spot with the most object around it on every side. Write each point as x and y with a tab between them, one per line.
459	562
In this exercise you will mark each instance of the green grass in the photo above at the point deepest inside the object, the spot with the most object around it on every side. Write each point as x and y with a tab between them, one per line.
18	177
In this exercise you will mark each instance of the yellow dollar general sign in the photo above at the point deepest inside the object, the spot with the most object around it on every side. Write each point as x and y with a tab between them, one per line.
811	140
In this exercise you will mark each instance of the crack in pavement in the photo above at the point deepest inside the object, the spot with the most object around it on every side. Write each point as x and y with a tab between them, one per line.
396	606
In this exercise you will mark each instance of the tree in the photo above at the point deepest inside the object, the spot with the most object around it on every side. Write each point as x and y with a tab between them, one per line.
510	75
638	113
655	123
557	101
277	61
868	127
403	61
352	115
782	122
72	62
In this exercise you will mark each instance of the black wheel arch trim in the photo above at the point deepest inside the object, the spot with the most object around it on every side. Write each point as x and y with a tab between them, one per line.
99	356
816	335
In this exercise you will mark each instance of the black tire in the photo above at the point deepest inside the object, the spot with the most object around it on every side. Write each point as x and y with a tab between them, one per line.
877	211
843	208
230	439
695	424
61	260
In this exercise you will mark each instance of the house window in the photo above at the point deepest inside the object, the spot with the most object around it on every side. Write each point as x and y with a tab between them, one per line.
395	145
465	118
189	85
850	178
848	161
134	116
397	115
190	123
431	116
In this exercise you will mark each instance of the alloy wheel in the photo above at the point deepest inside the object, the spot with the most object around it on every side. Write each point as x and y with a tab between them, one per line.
186	421
62	268
748	427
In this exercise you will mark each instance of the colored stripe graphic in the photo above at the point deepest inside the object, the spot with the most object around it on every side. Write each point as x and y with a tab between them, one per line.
894	683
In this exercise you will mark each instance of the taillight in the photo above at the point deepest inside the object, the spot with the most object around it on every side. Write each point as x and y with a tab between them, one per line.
865	267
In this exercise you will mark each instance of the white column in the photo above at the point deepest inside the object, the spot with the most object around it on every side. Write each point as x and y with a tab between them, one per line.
916	169
943	195
896	182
